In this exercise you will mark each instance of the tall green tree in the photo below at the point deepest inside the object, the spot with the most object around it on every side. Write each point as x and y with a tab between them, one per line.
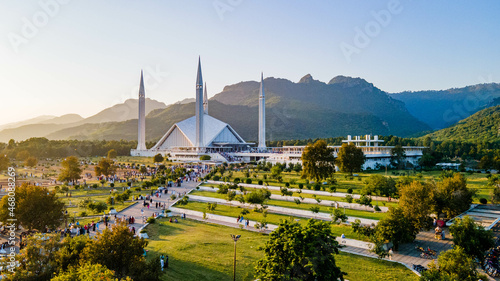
4	162
105	167
71	170
296	252
452	265
472	237
395	227
380	185
416	202
452	196
36	208
120	251
318	161
398	159
350	158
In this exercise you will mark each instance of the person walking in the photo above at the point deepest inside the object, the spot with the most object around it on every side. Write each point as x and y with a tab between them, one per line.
390	254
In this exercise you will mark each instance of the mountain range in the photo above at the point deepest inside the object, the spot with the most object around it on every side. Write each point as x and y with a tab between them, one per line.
481	126
440	109
294	110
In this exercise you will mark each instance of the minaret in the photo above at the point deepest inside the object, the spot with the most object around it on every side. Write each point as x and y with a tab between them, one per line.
199	107
141	137
205	99
262	114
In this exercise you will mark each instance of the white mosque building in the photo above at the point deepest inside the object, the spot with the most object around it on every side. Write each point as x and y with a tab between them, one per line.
202	134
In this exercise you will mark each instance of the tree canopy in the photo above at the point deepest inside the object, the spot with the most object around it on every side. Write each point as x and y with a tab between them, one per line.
296	252
105	167
36	208
472	237
452	265
416	202
350	158
318	161
71	170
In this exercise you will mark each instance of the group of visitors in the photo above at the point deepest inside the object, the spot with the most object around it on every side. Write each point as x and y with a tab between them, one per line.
491	265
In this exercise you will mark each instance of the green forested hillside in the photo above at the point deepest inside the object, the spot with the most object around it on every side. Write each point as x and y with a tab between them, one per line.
440	109
480	127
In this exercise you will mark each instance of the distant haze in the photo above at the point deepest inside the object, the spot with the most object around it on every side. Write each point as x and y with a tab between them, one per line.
87	55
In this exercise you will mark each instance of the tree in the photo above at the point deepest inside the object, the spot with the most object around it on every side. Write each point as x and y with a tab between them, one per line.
453	264
296	252
4	162
398	158
318	161
338	216
275	171
36	208
71	170
31	161
350	158
105	167
416	202
87	272
36	260
452	197
395	227
472	237
118	250
158	158
258	196
112	154
22	155
378	184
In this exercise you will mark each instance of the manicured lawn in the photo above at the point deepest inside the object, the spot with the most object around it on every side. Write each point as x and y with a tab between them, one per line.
322	197
302	206
276	219
202	251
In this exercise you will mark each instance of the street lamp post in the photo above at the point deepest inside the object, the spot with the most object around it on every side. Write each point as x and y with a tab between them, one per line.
235	239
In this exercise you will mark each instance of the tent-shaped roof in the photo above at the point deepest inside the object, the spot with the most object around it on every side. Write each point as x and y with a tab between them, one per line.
183	134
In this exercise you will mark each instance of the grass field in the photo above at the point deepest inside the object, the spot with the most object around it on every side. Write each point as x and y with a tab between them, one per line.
201	251
276	219
322	197
476	181
302	206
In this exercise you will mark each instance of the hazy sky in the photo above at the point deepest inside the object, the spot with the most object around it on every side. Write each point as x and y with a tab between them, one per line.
60	57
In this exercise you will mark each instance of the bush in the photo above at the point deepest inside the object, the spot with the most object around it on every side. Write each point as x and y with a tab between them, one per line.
349	190
95	185
151	220
216	178
317	187
483	201
112	185
376	208
301	185
244	212
236	180
287	184
260	182
248	181
138	188
205	157
82	214
348	198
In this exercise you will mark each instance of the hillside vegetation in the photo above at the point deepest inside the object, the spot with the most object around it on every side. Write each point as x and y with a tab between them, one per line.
480	127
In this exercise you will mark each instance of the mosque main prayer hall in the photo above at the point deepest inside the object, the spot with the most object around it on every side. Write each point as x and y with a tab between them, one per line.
202	134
